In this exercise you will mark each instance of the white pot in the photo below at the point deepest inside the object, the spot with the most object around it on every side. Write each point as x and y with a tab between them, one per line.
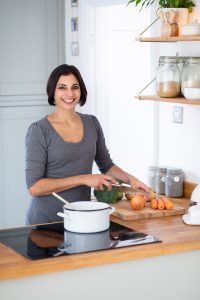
191	29
87	216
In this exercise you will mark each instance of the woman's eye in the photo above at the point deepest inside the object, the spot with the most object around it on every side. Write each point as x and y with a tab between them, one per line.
61	87
76	87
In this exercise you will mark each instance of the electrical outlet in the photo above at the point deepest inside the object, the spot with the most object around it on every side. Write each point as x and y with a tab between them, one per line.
177	114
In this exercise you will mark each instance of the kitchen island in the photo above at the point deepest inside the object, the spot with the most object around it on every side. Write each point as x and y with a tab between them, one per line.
167	270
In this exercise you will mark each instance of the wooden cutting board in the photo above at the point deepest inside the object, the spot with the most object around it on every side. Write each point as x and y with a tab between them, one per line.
125	212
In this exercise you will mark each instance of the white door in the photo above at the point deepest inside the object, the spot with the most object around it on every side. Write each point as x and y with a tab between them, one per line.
32	44
121	68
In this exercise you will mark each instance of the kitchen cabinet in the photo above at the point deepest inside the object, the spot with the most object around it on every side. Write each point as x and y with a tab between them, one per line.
180	100
147	271
32	44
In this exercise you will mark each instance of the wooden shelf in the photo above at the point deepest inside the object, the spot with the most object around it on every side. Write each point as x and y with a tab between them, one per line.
189	38
172	100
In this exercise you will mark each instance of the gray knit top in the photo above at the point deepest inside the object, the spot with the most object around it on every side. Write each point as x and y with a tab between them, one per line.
49	156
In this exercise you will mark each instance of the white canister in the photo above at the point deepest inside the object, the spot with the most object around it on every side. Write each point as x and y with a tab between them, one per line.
191	29
87	216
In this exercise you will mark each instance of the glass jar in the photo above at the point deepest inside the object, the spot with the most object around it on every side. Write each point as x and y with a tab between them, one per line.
168	83
160	181
174	183
152	177
181	64
190	79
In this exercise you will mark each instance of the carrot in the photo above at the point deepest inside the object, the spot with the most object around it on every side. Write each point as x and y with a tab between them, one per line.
168	203
154	204
161	205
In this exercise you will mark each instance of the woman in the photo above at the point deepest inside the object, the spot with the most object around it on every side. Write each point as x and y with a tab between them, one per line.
61	149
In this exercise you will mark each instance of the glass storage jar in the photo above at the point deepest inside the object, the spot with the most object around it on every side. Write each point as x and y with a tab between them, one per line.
160	181
152	177
181	63
174	182
168	83
190	79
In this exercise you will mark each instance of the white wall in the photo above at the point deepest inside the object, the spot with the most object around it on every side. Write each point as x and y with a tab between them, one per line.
179	144
113	70
159	140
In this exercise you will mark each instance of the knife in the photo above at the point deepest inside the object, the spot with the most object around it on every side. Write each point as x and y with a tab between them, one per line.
125	188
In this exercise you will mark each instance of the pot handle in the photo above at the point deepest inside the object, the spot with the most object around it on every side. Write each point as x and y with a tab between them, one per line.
112	209
62	215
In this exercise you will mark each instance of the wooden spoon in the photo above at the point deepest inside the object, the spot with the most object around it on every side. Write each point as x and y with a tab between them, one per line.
68	204
173	23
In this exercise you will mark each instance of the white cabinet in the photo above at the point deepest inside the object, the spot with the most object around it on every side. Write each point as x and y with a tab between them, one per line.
32	45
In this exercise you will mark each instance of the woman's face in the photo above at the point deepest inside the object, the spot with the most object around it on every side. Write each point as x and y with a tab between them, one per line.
67	93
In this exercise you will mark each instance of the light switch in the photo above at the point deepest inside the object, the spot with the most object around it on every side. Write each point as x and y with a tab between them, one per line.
177	114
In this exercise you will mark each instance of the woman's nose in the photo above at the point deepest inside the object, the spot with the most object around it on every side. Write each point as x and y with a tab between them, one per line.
69	92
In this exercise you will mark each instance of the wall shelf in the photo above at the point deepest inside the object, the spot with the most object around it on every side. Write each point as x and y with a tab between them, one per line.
189	38
180	100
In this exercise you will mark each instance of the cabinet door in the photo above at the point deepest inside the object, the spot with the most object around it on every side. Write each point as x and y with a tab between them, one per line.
32	45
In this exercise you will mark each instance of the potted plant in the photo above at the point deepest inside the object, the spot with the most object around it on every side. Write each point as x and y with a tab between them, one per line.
164	3
182	8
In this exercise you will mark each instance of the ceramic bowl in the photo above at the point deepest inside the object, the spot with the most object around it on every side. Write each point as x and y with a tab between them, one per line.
191	93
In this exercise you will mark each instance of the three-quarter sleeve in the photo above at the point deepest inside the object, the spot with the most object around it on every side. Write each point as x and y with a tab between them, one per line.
36	154
102	158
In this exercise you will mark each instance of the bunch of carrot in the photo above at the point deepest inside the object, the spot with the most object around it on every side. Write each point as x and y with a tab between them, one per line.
161	203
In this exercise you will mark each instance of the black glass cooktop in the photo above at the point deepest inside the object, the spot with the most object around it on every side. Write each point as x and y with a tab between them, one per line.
51	240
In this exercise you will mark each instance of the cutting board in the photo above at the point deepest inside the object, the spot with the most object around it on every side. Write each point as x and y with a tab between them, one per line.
125	212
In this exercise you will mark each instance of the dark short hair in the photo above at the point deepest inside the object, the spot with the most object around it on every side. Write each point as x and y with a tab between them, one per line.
54	77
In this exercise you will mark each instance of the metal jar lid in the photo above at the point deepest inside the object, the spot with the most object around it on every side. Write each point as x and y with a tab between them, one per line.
168	59
174	171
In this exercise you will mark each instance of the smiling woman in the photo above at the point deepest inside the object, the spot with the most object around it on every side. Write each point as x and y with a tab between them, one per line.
61	149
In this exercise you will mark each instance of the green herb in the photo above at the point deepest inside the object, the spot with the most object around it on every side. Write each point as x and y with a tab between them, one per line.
163	3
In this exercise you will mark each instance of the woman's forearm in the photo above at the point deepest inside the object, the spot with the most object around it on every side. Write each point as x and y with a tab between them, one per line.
46	186
119	174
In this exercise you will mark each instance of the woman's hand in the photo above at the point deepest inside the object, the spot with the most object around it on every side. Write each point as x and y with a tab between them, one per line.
137	184
98	181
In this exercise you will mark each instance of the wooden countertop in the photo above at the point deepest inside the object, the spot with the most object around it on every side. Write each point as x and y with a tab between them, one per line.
175	235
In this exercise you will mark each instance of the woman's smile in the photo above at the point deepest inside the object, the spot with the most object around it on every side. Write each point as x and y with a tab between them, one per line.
67	91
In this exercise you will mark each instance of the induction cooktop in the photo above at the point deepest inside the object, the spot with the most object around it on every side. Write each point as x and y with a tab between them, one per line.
52	240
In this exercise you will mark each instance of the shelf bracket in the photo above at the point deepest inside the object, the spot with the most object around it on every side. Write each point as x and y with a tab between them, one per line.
140	35
146	86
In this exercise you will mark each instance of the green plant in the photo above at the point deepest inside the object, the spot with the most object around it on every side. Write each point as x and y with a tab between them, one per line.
163	3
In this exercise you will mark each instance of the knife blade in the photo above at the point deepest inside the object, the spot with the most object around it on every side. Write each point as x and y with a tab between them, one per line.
125	188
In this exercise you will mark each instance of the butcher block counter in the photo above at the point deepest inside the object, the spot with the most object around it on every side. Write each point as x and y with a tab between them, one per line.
175	235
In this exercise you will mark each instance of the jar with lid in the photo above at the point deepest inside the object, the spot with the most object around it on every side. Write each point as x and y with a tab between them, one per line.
160	180
190	79
168	83
152	177
174	183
